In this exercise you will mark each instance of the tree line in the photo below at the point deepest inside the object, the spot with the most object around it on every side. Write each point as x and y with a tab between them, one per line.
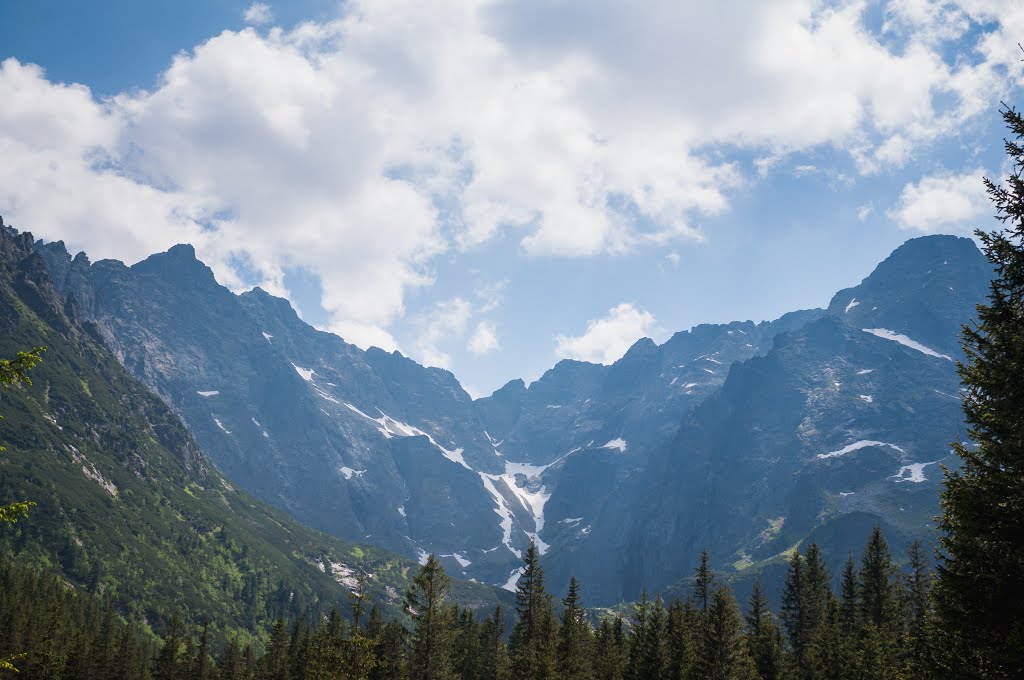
874	626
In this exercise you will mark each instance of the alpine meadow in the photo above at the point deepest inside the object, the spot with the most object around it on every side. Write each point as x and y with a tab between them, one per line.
338	340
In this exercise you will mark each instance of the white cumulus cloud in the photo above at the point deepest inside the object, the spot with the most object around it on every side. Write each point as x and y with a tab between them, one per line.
942	203
258	13
607	338
484	339
362	148
445	320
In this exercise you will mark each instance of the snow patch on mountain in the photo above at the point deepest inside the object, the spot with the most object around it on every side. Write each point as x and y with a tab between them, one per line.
617	443
207	393
267	335
326	396
350	473
306	373
886	334
221	425
912	473
461	559
850	448
389	427
503	512
513	579
867	397
853	303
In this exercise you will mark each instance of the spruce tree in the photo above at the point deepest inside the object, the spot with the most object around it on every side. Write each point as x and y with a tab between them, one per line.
575	641
681	640
703	580
879	609
202	666
534	637
638	636
815	601
232	664
918	611
494	661
724	654
359	657
792	613
168	663
430	657
104	650
652	654
764	635
275	663
467	645
388	639
848	598
610	653
979	588
827	655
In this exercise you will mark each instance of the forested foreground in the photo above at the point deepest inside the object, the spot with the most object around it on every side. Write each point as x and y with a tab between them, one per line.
874	626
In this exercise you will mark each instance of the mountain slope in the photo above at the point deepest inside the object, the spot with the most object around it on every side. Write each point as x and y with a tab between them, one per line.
589	460
842	425
127	504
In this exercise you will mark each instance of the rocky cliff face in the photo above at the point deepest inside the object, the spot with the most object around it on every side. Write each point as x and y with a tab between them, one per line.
622	473
842	425
128	505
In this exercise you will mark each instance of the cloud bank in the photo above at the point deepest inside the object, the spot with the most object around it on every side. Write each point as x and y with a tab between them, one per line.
361	149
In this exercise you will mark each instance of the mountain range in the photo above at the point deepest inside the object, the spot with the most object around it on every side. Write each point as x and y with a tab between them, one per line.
744	438
127	505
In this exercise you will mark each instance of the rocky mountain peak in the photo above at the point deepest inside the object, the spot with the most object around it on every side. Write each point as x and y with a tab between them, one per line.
919	292
178	265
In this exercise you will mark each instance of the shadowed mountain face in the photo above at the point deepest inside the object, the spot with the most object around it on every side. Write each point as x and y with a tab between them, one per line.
840	426
745	438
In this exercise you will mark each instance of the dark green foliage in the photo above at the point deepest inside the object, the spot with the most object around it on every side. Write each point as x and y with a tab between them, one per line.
979	591
535	637
494	661
54	632
430	656
879	609
792	607
638	639
15	372
576	639
682	640
610	655
917	611
877	627
169	664
764	636
703	580
805	603
723	652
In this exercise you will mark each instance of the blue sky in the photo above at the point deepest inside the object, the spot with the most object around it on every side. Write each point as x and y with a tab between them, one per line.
490	186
